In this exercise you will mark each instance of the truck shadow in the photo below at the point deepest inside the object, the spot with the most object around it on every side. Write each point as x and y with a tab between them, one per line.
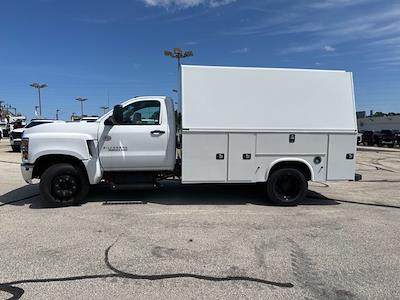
170	193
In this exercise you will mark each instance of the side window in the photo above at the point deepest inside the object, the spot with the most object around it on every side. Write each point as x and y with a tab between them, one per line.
142	113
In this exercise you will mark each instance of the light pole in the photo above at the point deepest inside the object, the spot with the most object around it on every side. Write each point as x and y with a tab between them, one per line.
39	86
104	108
178	54
81	100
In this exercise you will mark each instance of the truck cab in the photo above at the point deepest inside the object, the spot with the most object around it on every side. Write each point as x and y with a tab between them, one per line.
137	137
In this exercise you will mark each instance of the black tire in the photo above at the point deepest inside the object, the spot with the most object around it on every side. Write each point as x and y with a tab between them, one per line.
287	186
63	185
16	148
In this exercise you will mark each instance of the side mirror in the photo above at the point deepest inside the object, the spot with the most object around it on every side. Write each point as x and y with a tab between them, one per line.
109	121
117	114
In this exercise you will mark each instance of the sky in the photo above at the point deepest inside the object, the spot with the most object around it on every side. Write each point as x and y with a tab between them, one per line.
102	50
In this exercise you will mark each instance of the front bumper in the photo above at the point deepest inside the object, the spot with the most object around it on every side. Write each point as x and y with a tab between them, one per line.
27	170
15	142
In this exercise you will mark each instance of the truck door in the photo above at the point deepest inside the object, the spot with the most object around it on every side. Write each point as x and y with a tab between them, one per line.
140	142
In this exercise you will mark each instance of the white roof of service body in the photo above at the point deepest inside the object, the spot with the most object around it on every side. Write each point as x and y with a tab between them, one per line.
242	98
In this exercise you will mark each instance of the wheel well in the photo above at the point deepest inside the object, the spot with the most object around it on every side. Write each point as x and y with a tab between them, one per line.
302	167
46	161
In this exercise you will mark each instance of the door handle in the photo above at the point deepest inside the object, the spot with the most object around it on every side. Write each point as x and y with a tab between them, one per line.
159	132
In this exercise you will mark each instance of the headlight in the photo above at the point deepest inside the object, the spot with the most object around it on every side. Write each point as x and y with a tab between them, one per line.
25	148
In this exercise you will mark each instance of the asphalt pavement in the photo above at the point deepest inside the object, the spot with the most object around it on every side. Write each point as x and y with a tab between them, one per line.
204	242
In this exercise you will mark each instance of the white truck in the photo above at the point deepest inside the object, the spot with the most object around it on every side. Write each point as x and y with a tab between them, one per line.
16	134
281	127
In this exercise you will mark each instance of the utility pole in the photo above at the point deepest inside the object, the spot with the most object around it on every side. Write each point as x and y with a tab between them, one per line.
81	100
57	111
39	86
104	108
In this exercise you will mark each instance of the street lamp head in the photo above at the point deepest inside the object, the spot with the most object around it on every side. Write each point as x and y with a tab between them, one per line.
188	54
178	51
81	99
38	85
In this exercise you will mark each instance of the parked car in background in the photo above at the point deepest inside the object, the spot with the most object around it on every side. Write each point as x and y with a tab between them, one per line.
16	134
397	136
368	138
89	119
359	138
385	137
3	128
15	122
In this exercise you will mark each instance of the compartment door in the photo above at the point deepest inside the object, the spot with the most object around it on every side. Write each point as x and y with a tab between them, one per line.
242	148
342	156
204	157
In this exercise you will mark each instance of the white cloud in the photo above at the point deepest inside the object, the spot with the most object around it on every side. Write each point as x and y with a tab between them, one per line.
192	43
337	3
187	3
241	51
329	48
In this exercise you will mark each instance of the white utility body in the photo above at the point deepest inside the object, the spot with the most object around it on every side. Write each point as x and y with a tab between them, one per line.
254	111
239	125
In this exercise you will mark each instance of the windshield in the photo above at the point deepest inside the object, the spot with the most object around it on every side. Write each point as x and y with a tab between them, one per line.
33	124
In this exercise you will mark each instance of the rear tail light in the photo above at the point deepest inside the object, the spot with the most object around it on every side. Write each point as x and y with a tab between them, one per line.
25	148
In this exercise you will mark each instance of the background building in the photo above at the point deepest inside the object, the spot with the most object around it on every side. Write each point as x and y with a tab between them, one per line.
378	122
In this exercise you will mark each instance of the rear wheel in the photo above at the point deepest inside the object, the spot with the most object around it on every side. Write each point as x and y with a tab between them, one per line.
63	185
16	148
286	186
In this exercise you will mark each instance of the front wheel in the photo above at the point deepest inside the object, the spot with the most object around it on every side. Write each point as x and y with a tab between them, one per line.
63	185
286	186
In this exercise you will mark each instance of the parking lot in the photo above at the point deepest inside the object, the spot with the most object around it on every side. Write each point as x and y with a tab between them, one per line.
204	242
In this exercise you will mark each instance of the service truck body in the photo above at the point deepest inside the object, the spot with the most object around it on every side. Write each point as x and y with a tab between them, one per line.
239	125
255	111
